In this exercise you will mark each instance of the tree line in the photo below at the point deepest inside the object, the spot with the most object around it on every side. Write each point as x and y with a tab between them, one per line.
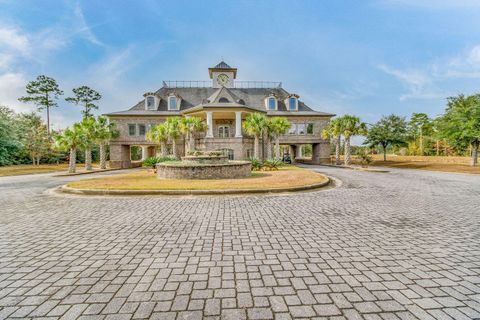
25	136
456	131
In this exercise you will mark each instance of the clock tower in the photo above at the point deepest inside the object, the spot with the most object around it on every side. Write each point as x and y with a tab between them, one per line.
222	75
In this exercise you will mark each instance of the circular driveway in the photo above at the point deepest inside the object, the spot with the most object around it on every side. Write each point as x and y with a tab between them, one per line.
398	245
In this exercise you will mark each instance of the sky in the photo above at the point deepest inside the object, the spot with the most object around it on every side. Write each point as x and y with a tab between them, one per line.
368	58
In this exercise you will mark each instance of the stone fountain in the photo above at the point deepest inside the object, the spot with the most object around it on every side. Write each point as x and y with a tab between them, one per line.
204	165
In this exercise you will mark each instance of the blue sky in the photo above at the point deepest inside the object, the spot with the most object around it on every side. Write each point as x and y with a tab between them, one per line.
368	58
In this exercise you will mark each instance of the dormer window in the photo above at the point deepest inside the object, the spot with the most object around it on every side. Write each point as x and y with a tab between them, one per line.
151	100
292	102
271	103
150	103
174	102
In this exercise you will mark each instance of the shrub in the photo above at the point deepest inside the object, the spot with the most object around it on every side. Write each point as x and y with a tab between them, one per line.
273	164
216	153
364	157
152	161
166	159
256	164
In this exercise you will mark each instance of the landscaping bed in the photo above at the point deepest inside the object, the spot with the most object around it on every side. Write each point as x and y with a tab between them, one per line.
284	179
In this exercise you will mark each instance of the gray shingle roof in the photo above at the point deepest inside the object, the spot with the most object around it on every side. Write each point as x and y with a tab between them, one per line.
222	65
252	97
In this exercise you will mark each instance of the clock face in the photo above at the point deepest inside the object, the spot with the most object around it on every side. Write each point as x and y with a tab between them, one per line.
222	79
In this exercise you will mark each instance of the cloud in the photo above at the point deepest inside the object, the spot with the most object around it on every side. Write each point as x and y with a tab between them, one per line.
465	65
424	82
14	44
12	39
418	83
12	86
82	28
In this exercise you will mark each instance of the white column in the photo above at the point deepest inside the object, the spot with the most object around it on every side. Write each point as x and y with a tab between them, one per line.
144	153
209	124
238	124
299	151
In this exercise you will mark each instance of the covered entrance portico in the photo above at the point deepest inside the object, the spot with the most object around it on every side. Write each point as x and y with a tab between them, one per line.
224	128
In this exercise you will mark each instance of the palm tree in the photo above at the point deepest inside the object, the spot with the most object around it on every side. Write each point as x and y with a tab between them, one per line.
173	132
277	126
189	127
104	131
351	126
88	125
70	140
159	134
334	132
255	124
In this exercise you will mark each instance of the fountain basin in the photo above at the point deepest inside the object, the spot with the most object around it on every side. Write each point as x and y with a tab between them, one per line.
197	170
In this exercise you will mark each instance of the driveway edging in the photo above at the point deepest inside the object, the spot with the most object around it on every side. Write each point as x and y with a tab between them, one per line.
86	172
100	192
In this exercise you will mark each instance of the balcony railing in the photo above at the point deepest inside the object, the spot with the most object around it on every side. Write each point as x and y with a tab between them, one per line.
208	84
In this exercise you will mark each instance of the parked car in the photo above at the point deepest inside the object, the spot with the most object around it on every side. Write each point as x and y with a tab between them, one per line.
286	158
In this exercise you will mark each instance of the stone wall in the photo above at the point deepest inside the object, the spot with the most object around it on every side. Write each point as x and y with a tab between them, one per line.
121	124
232	170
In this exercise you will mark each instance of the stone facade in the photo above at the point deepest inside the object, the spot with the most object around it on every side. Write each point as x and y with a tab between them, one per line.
231	170
223	106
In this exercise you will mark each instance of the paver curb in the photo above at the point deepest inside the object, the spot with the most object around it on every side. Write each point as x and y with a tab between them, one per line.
95	192
86	172
353	168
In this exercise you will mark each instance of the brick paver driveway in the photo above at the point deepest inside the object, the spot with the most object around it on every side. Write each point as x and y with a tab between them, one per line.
399	245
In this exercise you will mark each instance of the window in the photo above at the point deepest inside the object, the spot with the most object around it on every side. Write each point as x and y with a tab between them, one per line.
249	153
132	130
301	128
292	104
228	153
309	128
293	129
150	103
223	131
172	103
272	103
141	129
223	100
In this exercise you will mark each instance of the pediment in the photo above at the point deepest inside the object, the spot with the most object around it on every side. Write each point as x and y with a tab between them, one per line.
223	95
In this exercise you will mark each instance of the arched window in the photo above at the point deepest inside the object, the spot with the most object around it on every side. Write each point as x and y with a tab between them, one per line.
223	100
241	101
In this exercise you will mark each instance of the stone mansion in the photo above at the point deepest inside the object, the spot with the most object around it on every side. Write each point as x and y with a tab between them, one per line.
223	103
